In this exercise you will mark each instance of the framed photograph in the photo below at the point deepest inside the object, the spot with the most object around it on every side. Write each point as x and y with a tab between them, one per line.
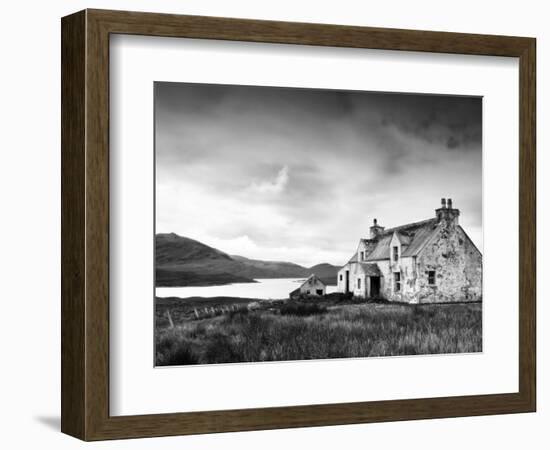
273	225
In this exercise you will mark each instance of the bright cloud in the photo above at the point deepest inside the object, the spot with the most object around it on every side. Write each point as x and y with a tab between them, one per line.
274	186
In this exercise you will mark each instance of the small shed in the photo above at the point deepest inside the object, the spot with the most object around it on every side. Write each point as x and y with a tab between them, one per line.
312	287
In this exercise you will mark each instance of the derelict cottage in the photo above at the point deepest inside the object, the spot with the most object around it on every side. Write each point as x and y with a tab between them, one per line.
312	287
423	262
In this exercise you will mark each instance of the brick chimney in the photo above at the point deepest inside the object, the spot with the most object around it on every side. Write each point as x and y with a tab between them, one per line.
375	230
447	213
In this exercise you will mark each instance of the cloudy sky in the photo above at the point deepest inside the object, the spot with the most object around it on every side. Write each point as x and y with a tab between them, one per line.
299	174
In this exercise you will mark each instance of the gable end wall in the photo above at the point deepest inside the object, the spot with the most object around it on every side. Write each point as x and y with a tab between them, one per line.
457	264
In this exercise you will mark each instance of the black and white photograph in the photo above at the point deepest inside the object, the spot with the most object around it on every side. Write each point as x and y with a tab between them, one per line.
273	225
300	224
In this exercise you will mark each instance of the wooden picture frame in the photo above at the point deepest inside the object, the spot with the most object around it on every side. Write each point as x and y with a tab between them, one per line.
85	224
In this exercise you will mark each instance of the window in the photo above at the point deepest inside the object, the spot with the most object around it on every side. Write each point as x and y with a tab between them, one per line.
358	283
431	276
397	282
395	253
341	277
319	291
362	256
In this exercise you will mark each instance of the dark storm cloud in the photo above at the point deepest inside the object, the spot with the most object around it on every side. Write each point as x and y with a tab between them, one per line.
434	118
298	167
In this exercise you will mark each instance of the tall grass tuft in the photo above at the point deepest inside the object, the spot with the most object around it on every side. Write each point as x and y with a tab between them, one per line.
171	351
302	309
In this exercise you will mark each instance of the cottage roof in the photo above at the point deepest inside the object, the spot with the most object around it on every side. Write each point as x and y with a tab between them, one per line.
353	258
413	237
370	269
312	279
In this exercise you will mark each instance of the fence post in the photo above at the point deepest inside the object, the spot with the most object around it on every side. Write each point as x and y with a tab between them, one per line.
169	318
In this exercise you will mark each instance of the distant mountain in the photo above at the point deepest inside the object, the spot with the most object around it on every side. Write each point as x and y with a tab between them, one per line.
181	261
256	268
327	272
173	249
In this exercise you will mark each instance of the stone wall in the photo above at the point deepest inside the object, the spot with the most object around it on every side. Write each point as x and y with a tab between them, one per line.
311	286
458	268
341	280
406	268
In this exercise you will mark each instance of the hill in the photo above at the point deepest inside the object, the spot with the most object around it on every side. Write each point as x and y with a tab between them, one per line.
181	261
327	272
173	249
256	268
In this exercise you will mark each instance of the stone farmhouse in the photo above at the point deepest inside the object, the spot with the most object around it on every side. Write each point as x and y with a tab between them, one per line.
312	287
422	262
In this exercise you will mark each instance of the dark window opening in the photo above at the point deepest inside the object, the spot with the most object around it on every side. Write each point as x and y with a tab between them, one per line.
358	283
431	276
340	277
395	253
319	291
397	281
362	256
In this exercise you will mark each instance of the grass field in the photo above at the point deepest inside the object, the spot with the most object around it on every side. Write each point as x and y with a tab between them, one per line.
225	330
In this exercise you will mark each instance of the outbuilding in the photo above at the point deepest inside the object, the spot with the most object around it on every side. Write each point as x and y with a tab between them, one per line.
312	287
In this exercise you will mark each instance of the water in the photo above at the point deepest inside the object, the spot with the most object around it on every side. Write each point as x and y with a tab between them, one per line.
265	288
